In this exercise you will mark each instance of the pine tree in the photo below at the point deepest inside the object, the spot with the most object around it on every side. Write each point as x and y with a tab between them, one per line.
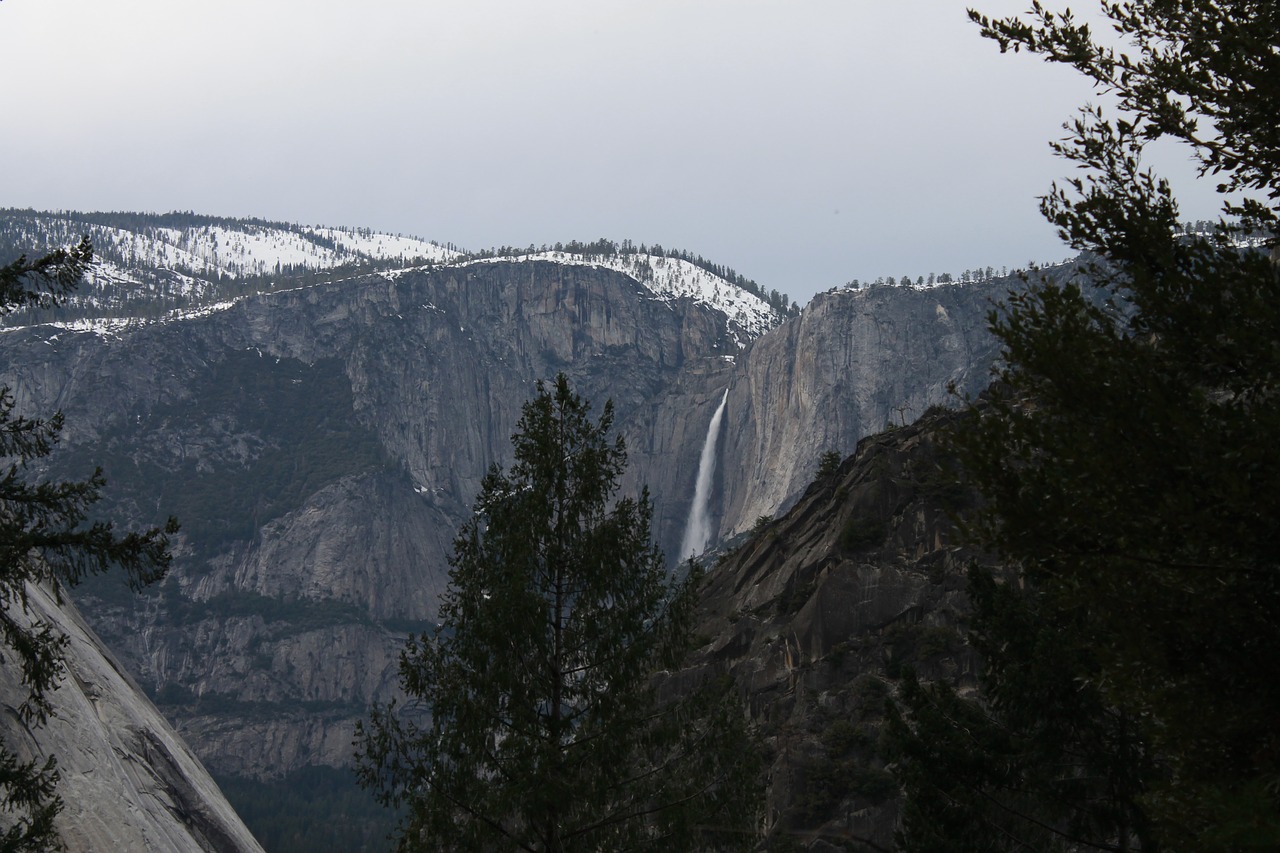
546	731
1130	478
44	540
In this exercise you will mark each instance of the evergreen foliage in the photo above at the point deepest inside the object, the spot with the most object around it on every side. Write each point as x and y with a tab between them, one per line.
1126	457
248	466
546	729
312	809
604	248
44	540
172	279
828	462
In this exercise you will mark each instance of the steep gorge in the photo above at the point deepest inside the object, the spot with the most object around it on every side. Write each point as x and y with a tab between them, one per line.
324	443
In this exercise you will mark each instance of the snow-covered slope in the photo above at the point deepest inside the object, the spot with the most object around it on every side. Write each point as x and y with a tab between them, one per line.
673	278
210	247
152	267
181	259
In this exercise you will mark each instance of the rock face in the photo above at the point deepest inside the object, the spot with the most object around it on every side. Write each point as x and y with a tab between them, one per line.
128	780
851	363
323	444
817	614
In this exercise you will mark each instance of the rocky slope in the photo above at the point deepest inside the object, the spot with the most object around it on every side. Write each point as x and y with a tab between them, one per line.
817	614
850	364
128	781
322	443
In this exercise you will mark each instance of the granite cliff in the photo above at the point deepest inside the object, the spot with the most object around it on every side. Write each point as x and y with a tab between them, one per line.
817	614
323	445
128	782
852	363
322	442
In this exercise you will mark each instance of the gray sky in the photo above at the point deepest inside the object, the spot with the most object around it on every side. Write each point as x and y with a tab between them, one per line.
802	142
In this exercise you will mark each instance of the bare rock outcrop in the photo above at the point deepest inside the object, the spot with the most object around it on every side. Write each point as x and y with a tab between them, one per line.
128	781
816	615
323	444
853	363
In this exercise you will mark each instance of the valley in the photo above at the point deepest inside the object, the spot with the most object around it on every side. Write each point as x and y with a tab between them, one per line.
321	439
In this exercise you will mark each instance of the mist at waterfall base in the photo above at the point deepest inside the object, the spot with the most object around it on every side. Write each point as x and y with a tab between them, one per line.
698	531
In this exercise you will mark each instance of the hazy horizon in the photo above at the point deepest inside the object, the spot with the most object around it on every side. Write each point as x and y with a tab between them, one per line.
802	144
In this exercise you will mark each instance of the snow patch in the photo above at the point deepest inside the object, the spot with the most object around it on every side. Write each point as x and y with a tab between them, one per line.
670	279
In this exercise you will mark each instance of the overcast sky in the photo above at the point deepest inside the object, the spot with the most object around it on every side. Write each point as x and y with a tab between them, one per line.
802	142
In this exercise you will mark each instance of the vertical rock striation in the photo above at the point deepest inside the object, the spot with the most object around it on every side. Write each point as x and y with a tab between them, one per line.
322	446
819	613
852	363
128	781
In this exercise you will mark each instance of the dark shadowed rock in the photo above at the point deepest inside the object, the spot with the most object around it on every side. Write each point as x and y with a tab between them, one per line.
818	612
322	445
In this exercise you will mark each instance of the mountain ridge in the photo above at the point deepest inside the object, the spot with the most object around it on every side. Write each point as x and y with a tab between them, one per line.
175	263
325	438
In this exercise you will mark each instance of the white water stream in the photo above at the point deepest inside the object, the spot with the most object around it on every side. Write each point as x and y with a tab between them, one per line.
698	531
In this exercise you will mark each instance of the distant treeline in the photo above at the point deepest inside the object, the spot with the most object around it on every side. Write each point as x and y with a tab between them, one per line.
1199	227
163	284
603	248
314	808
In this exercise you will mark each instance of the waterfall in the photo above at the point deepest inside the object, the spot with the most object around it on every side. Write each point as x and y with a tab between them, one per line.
698	530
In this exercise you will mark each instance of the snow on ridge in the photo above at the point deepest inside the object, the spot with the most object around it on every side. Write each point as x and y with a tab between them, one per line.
248	251
188	265
669	279
263	250
141	264
381	246
113	327
235	249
